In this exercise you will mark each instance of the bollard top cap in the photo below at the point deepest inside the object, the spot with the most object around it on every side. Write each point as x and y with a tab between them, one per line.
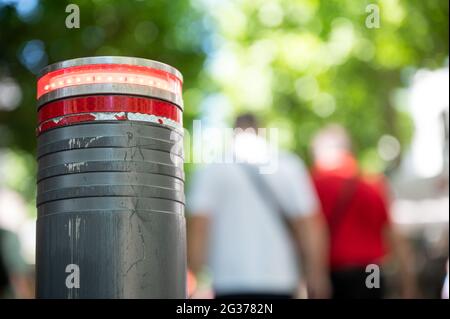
111	60
109	75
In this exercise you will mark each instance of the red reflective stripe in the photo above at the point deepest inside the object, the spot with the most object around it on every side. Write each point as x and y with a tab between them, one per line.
109	103
108	73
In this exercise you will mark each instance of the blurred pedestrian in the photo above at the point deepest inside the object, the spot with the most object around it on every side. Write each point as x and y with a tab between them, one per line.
249	228
356	209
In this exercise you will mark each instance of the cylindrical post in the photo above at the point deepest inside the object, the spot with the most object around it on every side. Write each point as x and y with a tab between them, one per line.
110	181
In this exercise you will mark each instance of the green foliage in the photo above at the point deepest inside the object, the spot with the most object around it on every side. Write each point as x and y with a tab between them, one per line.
302	64
167	31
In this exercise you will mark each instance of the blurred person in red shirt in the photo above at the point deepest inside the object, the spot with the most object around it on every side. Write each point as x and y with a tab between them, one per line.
356	209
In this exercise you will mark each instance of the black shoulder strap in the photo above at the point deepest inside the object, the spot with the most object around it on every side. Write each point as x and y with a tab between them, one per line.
267	194
345	198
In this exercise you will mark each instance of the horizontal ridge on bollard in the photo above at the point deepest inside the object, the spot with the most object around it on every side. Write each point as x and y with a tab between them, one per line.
109	142
106	128
110	166
112	154
111	178
110	191
112	203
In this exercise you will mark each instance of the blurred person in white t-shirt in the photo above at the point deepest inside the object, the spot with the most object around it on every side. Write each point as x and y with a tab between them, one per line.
255	230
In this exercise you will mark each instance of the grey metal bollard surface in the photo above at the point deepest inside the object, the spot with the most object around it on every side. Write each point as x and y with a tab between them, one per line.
110	181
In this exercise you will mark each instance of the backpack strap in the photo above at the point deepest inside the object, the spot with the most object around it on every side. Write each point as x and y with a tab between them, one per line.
268	195
345	198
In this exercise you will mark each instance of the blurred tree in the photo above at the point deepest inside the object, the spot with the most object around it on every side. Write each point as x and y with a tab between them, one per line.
303	63
33	34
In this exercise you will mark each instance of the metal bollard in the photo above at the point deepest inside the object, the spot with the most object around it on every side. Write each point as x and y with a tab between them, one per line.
110	184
